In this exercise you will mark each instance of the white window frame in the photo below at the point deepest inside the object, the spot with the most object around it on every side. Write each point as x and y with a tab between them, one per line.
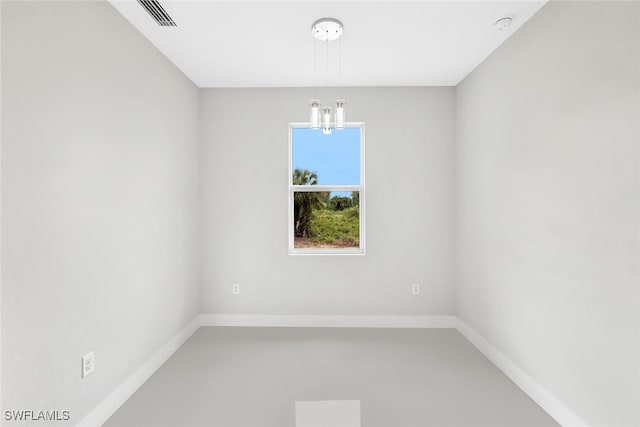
327	188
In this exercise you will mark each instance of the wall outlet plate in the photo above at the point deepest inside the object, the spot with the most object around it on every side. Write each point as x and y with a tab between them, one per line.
88	363
415	289
235	288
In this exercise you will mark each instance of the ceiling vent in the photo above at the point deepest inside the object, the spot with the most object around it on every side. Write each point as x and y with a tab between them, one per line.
157	12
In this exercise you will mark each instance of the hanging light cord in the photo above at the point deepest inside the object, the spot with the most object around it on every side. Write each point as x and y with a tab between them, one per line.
339	67
326	43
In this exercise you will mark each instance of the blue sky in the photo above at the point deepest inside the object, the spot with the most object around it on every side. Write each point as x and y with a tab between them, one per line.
335	157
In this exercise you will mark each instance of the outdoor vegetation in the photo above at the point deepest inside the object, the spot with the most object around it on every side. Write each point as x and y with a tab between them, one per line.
322	220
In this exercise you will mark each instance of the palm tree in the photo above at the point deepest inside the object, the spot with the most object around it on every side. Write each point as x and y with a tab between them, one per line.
305	202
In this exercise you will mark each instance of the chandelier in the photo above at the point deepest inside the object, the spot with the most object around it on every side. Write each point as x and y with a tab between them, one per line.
326	30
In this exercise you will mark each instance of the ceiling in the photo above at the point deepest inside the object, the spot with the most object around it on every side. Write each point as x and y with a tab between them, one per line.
385	43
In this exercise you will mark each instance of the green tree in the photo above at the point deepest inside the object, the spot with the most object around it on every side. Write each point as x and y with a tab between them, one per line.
305	202
340	203
355	196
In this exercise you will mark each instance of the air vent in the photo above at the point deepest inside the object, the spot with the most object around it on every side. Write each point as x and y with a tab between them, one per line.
157	12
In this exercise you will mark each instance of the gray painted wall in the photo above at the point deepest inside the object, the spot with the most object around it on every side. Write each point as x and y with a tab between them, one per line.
547	196
99	200
409	205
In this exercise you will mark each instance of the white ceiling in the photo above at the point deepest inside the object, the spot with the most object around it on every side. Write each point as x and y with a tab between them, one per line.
385	43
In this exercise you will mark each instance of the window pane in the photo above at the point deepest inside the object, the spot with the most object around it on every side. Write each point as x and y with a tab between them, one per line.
326	220
334	158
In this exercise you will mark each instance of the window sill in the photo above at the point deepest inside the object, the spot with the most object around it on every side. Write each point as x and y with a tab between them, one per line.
306	252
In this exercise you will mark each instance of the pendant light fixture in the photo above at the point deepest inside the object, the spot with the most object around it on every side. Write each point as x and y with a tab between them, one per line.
327	30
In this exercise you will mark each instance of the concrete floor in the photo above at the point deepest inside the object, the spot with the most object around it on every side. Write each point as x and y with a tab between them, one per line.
403	377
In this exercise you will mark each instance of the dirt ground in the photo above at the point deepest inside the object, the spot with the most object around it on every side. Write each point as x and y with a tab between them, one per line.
301	243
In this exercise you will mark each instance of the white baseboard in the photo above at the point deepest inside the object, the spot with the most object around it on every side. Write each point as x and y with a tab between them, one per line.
552	405
110	405
329	321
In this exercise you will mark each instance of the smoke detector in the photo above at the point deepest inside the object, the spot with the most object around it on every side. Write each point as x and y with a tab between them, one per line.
503	22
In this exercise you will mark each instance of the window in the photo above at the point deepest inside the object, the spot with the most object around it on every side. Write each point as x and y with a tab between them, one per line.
326	190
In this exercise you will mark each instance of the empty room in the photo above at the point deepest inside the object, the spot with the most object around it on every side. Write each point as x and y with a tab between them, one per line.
320	213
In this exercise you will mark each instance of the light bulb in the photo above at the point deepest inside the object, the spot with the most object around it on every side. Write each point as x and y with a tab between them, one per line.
314	119
339	116
326	120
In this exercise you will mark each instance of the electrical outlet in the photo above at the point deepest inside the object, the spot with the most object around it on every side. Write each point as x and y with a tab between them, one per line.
236	288
415	289
88	363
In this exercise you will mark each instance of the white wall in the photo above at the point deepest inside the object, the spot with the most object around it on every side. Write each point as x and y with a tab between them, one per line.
409	202
99	200
547	197
1	405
